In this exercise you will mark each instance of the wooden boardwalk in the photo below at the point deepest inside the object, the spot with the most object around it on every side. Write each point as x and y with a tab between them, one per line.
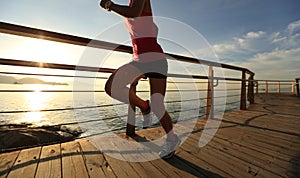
260	142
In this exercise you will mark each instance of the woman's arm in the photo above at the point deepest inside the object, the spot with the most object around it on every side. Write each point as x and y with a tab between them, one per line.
135	10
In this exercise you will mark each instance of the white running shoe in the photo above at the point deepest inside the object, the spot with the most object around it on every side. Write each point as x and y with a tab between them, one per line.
168	149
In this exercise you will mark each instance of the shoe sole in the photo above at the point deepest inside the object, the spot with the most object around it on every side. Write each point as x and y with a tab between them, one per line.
168	156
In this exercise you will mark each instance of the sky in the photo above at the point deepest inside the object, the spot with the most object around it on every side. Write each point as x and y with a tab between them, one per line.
261	35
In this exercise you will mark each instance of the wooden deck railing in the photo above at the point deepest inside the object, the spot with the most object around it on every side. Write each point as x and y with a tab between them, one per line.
277	86
18	30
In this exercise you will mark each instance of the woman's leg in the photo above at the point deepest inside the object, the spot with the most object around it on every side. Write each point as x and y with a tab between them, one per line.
158	90
118	86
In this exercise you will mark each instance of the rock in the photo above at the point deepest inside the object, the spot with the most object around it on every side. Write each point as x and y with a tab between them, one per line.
20	136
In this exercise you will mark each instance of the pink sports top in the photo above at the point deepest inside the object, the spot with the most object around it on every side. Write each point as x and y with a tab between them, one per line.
143	33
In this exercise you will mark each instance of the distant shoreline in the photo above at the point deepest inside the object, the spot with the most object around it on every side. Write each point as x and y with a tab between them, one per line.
26	80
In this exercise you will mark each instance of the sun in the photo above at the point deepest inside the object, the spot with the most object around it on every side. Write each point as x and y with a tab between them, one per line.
37	88
38	50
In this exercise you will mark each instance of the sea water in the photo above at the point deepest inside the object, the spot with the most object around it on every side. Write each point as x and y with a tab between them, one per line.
93	112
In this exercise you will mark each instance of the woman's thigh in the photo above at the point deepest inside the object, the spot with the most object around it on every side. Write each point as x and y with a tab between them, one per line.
125	75
158	90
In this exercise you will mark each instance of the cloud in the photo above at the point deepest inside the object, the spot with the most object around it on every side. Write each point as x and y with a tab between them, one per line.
277	38
294	26
252	41
222	48
273	56
282	64
242	47
269	54
255	35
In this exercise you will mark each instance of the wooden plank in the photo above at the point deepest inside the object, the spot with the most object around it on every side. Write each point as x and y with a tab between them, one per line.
192	153
285	110
250	156
112	156
212	158
257	147
274	134
179	166
72	161
234	166
26	163
6	162
95	162
288	120
168	169
207	169
269	122
284	128
187	169
215	158
272	137
121	168
263	132
227	142
130	153
146	169
240	136
285	104
288	145
50	162
136	152
264	161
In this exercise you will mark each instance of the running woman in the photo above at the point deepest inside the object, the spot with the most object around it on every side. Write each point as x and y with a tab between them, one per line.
148	61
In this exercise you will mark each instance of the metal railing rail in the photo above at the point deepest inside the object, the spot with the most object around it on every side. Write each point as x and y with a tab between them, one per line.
18	30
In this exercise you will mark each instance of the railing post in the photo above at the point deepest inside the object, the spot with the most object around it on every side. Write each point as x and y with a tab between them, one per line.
293	87
257	86
243	92
251	89
267	87
297	86
278	88
130	128
210	94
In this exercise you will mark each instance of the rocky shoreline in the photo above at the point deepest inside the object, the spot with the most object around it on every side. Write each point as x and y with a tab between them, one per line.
15	136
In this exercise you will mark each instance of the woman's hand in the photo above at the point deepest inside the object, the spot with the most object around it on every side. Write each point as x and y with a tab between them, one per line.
102	3
135	10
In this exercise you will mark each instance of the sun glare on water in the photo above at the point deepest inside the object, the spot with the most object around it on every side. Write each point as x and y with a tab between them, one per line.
36	101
